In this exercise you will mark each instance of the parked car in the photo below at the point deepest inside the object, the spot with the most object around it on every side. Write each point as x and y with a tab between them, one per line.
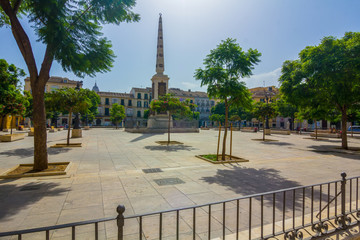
355	128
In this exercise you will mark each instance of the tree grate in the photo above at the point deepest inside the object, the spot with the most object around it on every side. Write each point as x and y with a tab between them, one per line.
152	170
168	181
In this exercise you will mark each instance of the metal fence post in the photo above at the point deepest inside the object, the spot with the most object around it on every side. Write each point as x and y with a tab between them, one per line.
343	200
120	221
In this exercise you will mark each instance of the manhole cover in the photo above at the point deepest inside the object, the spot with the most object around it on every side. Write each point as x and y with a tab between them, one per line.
152	170
30	188
168	181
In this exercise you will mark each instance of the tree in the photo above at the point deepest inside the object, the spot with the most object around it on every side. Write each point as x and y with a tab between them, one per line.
262	110
9	88
217	118
146	114
92	111
169	103
68	100
329	73
287	110
235	118
117	113
71	34
29	106
224	66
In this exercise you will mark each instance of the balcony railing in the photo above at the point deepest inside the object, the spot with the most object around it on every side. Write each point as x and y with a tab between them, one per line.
289	212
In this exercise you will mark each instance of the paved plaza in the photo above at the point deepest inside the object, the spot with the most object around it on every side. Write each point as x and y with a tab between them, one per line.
108	171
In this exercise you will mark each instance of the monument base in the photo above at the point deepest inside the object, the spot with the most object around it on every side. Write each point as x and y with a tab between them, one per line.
159	121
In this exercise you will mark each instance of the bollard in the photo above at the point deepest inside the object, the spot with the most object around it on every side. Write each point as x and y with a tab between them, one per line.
120	221
343	200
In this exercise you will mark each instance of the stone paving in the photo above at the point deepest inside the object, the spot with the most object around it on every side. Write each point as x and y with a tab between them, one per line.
108	171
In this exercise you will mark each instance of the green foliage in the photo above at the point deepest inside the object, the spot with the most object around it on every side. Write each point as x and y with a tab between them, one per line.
89	114
261	110
117	113
72	30
217	118
146	114
169	103
325	77
286	109
68	100
29	104
12	102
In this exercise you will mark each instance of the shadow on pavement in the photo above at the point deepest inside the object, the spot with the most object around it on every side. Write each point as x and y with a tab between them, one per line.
277	143
144	136
335	151
28	152
15	198
248	181
171	148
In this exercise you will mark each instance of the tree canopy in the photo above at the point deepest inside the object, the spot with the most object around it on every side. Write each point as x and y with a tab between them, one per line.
117	113
70	31
326	76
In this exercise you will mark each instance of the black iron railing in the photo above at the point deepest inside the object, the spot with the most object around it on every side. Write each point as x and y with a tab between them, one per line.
286	212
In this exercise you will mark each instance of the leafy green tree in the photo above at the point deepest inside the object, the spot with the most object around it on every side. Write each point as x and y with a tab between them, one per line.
169	103
235	118
146	114
224	66
69	100
287	110
329	71
11	100
71	33
262	110
92	111
117	113
29	106
217	118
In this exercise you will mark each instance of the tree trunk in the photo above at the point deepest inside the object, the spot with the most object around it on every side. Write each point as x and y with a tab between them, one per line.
316	132
225	131
69	128
263	130
169	128
344	143
2	122
39	116
11	118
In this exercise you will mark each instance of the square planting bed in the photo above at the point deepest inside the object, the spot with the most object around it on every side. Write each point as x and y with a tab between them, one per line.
168	143
228	159
12	137
64	145
25	170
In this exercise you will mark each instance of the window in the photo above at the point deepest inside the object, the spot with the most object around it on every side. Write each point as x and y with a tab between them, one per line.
122	102
106	101
191	101
139	95
145	96
114	100
130	103
53	88
212	103
139	114
100	110
262	100
107	112
146	104
138	103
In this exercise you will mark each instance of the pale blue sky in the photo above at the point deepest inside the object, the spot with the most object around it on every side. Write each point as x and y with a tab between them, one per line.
279	29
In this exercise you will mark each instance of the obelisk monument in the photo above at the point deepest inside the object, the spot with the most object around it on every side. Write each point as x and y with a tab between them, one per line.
160	85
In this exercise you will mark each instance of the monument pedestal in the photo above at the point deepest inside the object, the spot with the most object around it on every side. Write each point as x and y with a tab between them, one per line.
159	123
